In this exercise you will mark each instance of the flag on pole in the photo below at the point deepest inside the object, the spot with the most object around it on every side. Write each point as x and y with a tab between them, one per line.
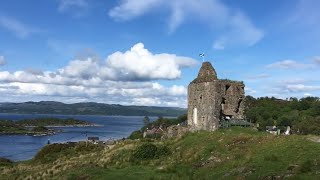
202	55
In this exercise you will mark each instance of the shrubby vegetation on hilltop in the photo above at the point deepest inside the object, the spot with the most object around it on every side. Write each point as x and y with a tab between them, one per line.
303	115
21	127
10	126
51	122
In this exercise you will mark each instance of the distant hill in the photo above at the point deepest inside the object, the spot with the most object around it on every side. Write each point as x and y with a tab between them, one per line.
89	108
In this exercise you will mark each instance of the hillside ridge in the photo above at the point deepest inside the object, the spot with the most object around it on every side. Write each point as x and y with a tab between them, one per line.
88	108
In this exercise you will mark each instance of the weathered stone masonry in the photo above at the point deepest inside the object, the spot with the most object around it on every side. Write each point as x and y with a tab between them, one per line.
211	100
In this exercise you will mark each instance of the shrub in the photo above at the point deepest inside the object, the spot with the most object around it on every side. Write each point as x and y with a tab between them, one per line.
145	151
162	151
83	147
5	161
150	151
136	135
51	152
306	166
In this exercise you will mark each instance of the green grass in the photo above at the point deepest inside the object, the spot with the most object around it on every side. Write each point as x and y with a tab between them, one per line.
236	153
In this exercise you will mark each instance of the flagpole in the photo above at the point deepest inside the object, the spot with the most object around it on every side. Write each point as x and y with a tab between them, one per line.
202	55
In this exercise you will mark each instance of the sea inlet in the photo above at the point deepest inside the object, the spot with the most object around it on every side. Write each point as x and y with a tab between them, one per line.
24	147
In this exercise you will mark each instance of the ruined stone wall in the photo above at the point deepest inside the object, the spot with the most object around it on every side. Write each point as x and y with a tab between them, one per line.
233	99
204	98
211	99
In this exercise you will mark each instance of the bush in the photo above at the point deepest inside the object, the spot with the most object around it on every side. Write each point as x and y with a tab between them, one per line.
145	151
136	135
306	166
150	151
48	153
5	161
83	147
162	151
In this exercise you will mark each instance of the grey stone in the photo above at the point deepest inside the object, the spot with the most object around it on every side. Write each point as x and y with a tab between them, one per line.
211	99
175	131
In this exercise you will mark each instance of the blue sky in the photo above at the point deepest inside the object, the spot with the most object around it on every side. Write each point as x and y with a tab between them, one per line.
146	52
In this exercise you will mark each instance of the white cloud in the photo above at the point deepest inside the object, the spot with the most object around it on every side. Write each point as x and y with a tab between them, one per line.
225	21
259	76
20	29
65	5
307	94
288	64
295	81
140	64
218	45
301	88
76	8
250	91
115	80
306	14
2	61
239	24
143	93
130	9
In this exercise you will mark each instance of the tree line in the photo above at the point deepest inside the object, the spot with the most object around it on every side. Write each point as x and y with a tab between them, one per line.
302	115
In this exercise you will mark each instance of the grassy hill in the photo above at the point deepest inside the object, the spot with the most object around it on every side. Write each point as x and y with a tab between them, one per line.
236	153
90	108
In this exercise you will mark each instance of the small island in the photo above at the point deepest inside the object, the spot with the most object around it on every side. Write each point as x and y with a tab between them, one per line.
39	126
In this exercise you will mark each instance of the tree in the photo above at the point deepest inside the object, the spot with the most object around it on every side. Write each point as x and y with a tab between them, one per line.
146	120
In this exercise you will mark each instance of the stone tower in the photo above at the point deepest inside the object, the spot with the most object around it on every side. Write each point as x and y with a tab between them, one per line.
211	100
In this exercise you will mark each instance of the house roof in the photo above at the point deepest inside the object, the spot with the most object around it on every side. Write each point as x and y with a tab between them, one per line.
93	138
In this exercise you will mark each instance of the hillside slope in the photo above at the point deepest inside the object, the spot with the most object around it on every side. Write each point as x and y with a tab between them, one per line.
90	108
231	154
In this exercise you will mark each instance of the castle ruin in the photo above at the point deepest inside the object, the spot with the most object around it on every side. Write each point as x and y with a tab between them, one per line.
211	100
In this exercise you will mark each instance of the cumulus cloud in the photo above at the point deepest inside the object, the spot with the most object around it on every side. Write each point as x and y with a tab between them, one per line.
225	21
123	77
136	64
288	64
2	61
144	93
140	64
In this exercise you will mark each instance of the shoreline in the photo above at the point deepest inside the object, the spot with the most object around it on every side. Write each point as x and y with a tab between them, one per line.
76	125
28	133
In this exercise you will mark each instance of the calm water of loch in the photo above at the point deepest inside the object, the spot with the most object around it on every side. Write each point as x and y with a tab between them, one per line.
23	147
